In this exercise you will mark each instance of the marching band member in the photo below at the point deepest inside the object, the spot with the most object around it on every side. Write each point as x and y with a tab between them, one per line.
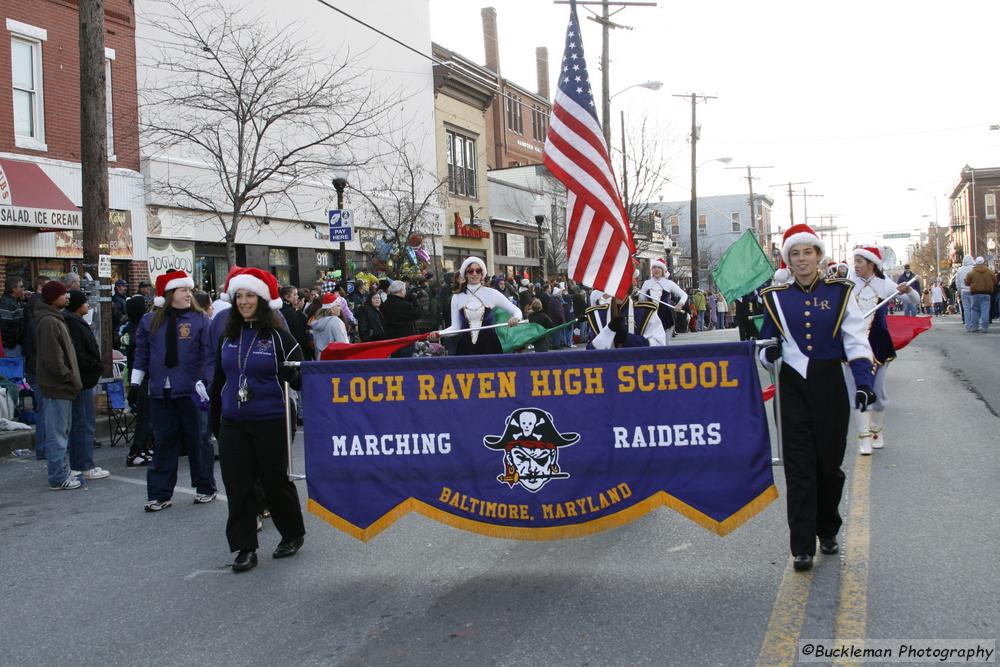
248	416
819	324
658	288
870	288
628	322
472	307
173	348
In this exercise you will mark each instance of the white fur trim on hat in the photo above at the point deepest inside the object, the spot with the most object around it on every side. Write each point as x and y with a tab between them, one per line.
800	238
159	302
782	276
469	261
869	255
253	284
659	263
177	283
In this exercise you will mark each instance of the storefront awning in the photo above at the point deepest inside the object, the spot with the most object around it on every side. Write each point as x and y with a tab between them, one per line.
29	198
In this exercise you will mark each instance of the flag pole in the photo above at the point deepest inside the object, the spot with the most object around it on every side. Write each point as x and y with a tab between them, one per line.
289	431
665	303
776	381
456	332
890	298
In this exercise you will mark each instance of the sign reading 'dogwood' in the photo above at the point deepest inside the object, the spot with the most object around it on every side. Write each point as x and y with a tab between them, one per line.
538	446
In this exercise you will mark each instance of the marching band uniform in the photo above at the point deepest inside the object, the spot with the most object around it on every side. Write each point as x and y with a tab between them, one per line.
659	290
868	293
819	325
634	325
473	308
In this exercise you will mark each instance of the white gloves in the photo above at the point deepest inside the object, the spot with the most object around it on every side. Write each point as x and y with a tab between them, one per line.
199	388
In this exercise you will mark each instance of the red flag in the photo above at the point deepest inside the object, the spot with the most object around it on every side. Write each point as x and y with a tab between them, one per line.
599	240
768	393
376	349
904	329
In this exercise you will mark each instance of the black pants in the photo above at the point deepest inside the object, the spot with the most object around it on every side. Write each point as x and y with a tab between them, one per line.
815	416
249	451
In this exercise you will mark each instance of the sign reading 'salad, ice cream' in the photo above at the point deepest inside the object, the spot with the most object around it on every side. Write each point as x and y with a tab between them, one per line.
538	446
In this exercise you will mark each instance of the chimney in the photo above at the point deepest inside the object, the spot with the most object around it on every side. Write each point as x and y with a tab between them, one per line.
491	43
542	70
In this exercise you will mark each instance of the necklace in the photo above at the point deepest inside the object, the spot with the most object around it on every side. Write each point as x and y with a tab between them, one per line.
243	393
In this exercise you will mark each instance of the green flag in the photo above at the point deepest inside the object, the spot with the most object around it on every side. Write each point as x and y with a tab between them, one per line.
514	338
742	268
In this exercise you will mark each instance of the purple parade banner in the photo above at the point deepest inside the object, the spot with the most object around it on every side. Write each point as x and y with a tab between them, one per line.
538	446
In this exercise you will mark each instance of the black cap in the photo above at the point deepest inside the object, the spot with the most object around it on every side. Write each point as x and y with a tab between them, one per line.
76	299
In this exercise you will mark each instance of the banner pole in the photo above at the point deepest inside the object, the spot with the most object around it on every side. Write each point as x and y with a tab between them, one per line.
882	303
289	432
777	461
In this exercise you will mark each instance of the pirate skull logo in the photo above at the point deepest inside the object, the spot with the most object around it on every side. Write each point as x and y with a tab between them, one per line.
530	443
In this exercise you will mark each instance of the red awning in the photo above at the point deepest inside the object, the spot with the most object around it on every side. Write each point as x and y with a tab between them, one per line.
29	198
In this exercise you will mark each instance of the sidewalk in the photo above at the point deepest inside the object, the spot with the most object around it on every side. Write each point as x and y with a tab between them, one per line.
11	440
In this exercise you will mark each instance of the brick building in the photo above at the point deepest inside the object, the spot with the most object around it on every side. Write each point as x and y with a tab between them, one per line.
40	174
974	218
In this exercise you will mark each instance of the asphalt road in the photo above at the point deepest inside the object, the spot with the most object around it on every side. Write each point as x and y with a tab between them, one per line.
88	578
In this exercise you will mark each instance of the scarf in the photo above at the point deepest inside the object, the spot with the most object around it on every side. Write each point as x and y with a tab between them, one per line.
172	336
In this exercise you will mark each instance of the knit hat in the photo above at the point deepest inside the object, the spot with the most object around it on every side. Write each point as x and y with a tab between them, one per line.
52	291
796	235
171	280
980	260
469	261
235	270
135	308
259	282
662	263
871	253
76	299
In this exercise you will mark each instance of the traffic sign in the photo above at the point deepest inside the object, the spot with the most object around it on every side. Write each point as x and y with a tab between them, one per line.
341	224
899	235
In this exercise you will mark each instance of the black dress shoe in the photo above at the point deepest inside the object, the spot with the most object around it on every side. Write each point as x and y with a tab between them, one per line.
245	560
802	562
828	545
287	549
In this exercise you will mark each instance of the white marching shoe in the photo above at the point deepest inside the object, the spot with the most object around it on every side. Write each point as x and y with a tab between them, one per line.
877	429
862	422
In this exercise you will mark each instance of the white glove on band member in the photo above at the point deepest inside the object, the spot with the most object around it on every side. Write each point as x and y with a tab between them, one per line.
137	376
199	388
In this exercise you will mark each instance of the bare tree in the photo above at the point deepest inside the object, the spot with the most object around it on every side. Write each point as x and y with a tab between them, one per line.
253	103
403	195
648	154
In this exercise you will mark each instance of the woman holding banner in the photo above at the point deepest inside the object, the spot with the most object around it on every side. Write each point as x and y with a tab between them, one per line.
819	324
870	288
472	308
248	416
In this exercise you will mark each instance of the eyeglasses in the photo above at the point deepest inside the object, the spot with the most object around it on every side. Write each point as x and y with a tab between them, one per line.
472	270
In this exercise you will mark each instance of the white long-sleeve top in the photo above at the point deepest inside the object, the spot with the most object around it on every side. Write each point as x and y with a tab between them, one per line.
474	303
868	293
655	288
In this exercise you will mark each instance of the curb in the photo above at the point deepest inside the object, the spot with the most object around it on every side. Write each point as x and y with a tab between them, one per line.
11	440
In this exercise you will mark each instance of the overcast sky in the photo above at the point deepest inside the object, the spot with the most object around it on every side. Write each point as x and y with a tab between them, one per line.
862	99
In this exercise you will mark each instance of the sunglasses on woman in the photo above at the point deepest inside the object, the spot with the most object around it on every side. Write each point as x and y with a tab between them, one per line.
468	271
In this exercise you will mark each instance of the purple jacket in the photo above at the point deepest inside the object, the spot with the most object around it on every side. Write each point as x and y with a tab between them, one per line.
195	358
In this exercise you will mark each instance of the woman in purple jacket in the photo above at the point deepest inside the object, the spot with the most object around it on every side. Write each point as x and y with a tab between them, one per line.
248	416
173	348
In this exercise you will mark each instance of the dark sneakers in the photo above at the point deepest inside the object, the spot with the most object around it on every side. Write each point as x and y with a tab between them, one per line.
828	545
802	562
288	549
245	560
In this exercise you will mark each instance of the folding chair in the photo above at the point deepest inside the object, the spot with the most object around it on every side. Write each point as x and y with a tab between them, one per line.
12	377
120	418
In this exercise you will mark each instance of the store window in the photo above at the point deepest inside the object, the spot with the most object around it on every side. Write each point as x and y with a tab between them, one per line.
280	260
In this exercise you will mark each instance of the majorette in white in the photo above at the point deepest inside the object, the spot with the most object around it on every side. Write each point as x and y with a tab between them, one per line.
472	302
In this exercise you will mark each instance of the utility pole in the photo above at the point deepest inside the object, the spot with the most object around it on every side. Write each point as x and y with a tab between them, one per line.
94	164
759	231
791	202
694	97
604	18
624	171
805	204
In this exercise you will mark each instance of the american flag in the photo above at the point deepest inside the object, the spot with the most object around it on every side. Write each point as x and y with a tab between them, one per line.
599	241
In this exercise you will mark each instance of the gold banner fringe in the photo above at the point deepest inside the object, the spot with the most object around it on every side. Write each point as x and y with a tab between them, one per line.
625	516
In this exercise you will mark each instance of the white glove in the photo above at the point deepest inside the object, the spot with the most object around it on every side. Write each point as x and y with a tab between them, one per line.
199	388
137	376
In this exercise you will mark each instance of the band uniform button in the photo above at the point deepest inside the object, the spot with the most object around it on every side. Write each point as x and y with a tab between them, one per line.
809	348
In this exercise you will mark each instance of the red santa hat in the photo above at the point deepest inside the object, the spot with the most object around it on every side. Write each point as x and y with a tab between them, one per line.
329	299
796	235
171	280
871	253
261	283
662	263
225	286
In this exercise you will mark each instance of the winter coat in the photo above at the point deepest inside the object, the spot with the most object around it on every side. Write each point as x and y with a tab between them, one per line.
296	322
56	371
261	368
195	356
980	280
11	320
88	354
371	324
400	316
967	264
328	330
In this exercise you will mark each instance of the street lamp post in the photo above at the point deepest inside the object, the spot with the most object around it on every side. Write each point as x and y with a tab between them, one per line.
538	209
339	184
937	235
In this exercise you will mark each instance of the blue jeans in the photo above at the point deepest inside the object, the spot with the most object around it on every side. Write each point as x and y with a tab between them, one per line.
703	320
81	432
176	423
979	313
39	417
966	307
720	320
569	336
910	309
57	413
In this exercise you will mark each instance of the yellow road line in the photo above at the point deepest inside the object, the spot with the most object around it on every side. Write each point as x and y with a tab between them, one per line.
787	616
852	600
